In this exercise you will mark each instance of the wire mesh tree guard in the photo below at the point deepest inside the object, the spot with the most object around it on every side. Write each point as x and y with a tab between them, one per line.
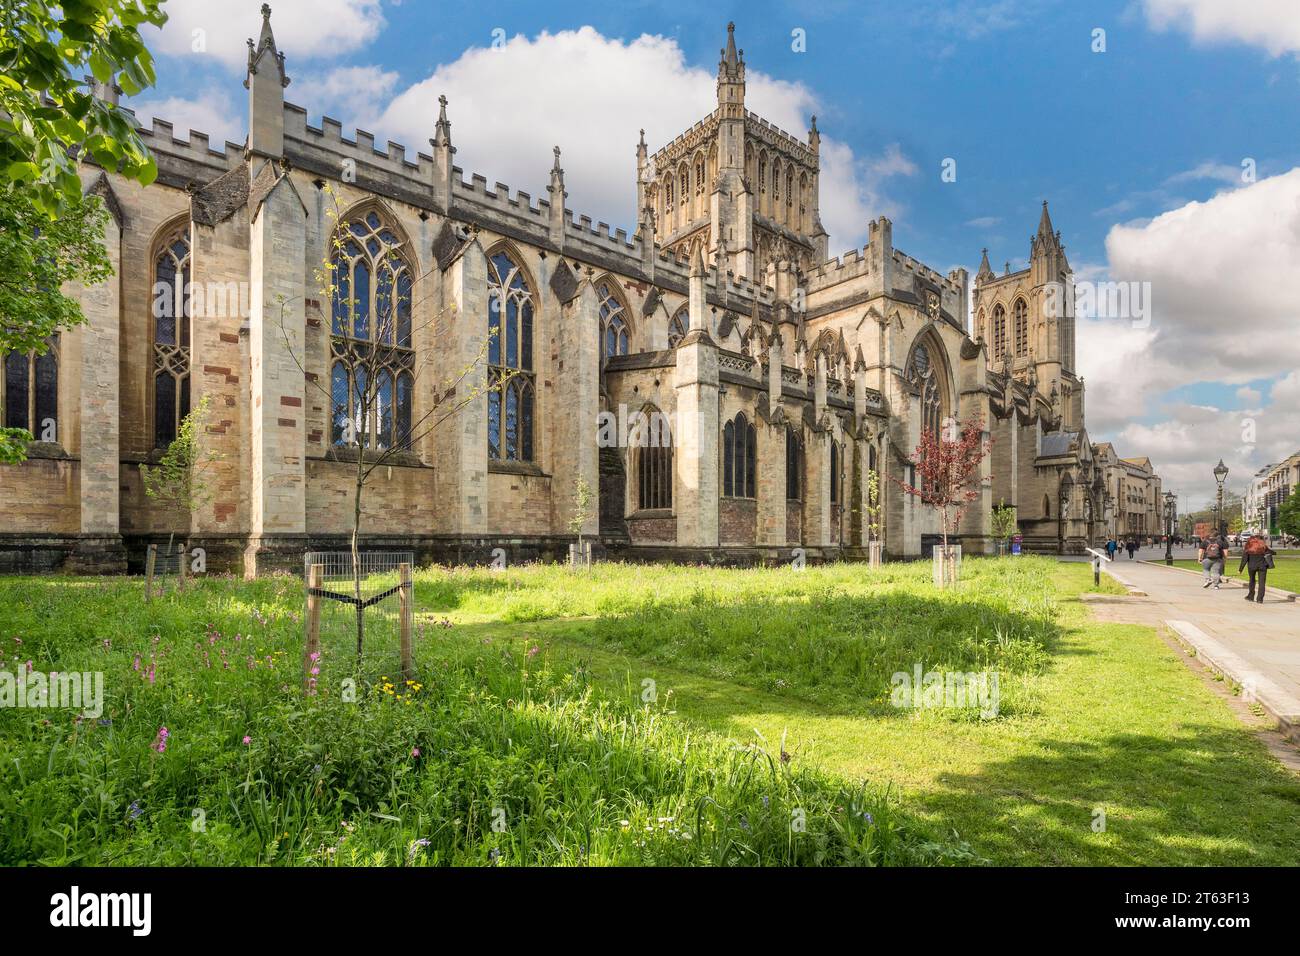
369	605
162	564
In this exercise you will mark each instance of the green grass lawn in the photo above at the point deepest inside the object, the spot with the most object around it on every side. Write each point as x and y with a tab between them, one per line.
1285	574
637	714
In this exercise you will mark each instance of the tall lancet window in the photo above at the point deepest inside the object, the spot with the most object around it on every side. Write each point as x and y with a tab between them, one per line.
613	322
999	332
510	361
678	326
739	458
925	376
29	391
1020	313
372	382
171	336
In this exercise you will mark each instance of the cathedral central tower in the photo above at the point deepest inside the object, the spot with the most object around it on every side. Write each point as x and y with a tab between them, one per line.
735	185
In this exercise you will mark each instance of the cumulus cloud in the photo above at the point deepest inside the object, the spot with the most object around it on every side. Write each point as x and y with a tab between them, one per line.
591	94
1221	313
1271	24
1189	439
355	92
303	28
211	111
1217	272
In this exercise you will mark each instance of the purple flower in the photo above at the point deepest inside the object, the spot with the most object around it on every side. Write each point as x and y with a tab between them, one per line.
247	740
160	741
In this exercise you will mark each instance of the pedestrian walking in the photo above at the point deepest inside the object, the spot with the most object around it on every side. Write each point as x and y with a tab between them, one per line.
1111	547
1258	557
1132	547
1212	555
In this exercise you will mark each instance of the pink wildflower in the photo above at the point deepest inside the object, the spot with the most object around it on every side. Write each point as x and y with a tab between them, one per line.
160	741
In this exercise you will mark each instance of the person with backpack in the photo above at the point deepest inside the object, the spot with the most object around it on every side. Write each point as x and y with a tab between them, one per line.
1111	547
1257	556
1213	554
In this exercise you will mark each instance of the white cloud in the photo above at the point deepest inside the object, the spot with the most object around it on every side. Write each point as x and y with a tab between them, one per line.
355	92
590	94
1271	24
1219	274
211	111
1222	313
1186	444
303	28
1224	173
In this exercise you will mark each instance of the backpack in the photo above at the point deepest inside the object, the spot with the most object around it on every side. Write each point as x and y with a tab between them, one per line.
1214	550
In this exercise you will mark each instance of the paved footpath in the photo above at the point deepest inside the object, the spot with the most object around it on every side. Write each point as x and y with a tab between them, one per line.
1256	645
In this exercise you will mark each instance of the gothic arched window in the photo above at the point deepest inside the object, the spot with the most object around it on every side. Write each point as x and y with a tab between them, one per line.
739	458
30	391
171	337
678	326
372	383
1020	312
793	465
654	463
999	331
699	176
924	374
613	322
510	361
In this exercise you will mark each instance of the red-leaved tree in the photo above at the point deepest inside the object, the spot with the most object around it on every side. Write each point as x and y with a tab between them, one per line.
948	468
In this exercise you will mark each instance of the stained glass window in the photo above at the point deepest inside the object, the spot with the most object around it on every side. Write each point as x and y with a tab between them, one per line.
171	337
510	361
371	322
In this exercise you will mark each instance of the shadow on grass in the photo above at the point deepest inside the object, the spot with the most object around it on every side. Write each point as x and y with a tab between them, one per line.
1202	797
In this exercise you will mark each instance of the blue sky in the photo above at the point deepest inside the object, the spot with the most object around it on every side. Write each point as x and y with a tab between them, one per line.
1185	91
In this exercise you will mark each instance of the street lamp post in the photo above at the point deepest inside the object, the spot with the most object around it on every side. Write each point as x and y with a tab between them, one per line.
1170	503
1220	473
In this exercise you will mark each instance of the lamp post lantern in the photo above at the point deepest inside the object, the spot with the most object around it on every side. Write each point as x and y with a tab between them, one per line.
1220	473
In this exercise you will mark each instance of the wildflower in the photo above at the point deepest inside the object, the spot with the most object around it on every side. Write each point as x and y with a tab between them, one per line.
134	809
247	740
160	741
415	751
